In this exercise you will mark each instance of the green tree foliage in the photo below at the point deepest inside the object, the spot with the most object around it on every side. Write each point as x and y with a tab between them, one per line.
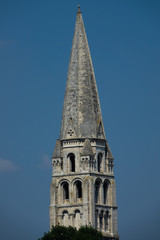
88	233
70	233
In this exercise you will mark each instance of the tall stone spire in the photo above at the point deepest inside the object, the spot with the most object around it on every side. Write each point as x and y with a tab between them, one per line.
83	188
82	116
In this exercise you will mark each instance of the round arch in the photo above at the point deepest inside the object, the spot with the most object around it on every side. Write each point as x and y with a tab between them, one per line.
106	191
98	186
76	179
77	218
63	180
99	161
71	161
98	179
65	190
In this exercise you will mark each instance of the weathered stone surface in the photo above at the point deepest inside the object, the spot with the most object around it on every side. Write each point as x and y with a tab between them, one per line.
87	149
81	101
57	150
83	190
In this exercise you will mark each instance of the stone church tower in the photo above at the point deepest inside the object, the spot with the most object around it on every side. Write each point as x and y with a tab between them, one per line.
83	189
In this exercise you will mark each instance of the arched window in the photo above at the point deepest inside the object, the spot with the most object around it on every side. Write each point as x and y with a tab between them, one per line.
97	190
72	162
77	219
65	190
65	218
105	191
96	219
78	185
99	161
106	221
101	220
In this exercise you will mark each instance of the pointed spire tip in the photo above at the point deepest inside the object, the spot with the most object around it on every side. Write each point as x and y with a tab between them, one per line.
79	9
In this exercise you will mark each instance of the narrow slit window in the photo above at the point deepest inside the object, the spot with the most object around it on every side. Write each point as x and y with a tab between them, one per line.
79	189
65	191
105	191
99	162
72	163
97	191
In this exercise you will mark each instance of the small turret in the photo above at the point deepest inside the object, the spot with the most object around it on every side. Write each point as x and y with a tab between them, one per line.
87	157
56	158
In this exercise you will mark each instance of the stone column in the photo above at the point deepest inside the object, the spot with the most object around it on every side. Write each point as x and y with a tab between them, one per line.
103	221
86	196
91	202
71	194
72	223
110	222
101	194
103	162
98	221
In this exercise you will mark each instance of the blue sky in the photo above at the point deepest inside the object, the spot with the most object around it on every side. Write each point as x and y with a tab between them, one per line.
35	45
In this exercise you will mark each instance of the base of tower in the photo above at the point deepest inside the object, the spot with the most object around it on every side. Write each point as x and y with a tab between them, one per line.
108	237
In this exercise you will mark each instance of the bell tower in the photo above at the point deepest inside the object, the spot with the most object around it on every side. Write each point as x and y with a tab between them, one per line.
83	189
